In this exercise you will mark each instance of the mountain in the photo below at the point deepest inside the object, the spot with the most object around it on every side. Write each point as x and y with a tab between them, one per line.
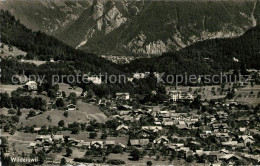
46	16
206	57
136	27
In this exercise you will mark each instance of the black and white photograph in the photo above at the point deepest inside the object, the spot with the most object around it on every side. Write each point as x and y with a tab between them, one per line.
130	82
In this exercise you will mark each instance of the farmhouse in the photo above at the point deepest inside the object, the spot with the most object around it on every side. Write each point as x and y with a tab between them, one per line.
59	94
97	144
180	96
95	80
58	138
139	142
122	96
43	138
71	107
122	128
31	85
153	128
140	75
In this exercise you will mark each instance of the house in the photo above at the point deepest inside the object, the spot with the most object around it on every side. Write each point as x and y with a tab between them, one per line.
182	125
122	145
85	94
122	96
71	107
229	157
134	142
145	133
31	85
124	107
243	130
139	142
37	129
43	138
73	141
51	60
58	138
175	146
32	145
180	96
206	130
153	128
109	143
247	139
229	143
140	75
97	144
167	123
222	136
122	128
84	145
59	94
161	140
95	80
235	59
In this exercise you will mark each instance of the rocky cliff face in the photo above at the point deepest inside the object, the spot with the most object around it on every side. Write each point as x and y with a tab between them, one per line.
137	27
47	16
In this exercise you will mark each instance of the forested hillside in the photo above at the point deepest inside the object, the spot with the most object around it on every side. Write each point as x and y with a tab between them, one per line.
207	56
43	47
245	48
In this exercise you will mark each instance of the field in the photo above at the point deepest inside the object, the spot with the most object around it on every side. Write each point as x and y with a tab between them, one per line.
67	89
9	88
83	114
248	95
19	141
204	91
14	51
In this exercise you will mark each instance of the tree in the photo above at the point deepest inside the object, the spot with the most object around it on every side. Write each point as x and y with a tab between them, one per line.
61	123
5	100
73	98
104	136
136	154
31	113
19	113
49	118
173	155
68	152
11	111
51	93
41	156
92	135
62	162
30	55
66	114
117	149
75	130
190	159
59	102
149	163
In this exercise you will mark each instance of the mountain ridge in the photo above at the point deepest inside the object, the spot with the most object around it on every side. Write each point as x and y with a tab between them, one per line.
144	28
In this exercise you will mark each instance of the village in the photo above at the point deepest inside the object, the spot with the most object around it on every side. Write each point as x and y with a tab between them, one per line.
70	126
